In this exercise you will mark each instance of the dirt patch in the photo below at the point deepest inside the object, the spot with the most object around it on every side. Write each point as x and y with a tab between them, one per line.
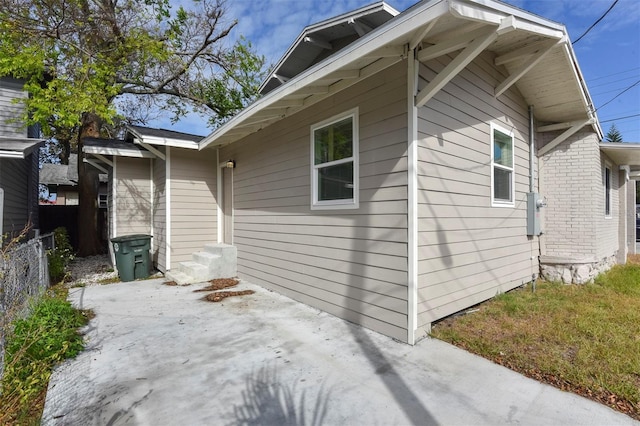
219	284
219	296
634	258
170	283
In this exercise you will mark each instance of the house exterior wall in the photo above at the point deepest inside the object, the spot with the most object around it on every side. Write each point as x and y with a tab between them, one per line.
133	196
159	215
193	202
14	178
11	89
18	177
468	250
351	263
579	241
631	216
607	227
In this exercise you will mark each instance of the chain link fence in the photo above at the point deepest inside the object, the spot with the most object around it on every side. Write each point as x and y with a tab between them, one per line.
24	277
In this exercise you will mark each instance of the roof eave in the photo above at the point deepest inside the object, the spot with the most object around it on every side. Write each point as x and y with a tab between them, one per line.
355	14
415	18
121	152
372	41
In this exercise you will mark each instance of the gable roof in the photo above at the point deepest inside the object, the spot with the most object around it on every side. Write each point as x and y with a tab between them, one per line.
63	174
148	135
317	41
56	174
535	52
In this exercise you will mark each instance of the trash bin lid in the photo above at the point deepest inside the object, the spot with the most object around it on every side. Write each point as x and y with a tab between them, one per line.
125	238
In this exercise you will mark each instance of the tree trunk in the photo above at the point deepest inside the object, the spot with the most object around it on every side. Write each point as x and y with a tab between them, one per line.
89	241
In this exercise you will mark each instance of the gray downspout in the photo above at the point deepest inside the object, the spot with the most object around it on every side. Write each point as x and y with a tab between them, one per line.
531	150
531	176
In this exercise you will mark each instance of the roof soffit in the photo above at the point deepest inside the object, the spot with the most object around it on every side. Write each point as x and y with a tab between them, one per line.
525	45
318	41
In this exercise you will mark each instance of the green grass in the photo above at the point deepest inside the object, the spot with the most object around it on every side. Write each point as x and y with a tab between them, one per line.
48	336
584	339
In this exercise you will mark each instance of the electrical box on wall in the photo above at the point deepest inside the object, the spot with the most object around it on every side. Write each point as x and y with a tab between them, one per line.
535	202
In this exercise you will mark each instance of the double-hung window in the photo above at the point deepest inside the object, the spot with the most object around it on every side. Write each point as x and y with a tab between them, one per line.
502	167
334	162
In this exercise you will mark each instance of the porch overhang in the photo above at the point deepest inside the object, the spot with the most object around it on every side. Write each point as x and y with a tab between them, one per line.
147	136
103	147
19	148
531	53
624	154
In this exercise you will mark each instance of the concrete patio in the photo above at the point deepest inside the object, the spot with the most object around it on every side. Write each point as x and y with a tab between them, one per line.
158	355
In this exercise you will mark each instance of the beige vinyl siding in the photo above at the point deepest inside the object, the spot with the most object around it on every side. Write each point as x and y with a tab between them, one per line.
193	202
351	263
14	179
468	251
11	89
133	196
159	249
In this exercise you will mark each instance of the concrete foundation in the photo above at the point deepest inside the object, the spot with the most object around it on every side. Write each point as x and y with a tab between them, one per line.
570	271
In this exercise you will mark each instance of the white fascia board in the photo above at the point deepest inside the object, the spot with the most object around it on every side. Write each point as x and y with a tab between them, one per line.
12	154
584	91
511	10
402	25
118	152
491	14
177	143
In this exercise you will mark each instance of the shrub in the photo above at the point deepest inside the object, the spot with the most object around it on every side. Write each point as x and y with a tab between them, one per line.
60	256
48	336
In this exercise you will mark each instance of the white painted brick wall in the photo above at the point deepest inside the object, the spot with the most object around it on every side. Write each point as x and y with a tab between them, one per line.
572	180
607	229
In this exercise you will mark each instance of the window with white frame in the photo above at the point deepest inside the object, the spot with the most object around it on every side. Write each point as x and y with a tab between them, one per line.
502	167
607	191
334	162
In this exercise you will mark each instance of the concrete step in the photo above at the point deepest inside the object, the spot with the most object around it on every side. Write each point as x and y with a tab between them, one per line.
227	265
219	248
205	258
179	277
197	270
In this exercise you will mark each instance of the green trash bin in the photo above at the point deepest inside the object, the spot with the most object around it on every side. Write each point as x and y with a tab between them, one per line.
132	256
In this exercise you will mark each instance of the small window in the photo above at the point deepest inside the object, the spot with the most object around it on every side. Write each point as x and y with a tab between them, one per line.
334	162
607	191
502	170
